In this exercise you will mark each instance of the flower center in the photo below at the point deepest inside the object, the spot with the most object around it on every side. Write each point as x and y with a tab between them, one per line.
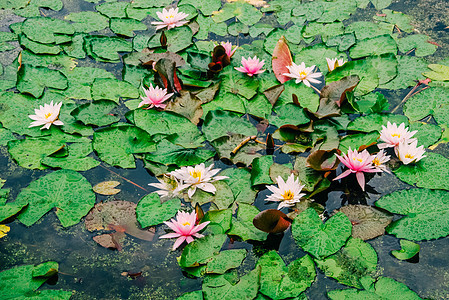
288	195
196	174
396	135
47	115
409	156
376	162
359	159
186	224
303	74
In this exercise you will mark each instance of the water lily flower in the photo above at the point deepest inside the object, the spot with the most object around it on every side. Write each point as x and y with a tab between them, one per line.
170	18
358	163
154	97
169	187
198	177
380	160
228	47
251	66
392	135
301	73
333	63
409	153
184	228
46	115
287	193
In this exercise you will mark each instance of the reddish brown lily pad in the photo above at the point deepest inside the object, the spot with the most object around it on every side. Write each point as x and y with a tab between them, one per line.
367	222
282	58
272	221
119	216
336	91
323	160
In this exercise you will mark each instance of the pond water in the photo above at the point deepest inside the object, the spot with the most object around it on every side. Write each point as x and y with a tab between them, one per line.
94	272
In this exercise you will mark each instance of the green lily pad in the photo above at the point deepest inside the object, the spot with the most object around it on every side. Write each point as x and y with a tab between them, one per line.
382	288
427	102
220	220
428	134
38	48
439	72
219	123
375	121
316	55
208	25
244	12
207	7
374	46
365	30
289	114
307	98
6	136
320	240
21	282
46	30
116	145
88	21
424	213
242	225
218	286
200	251
238	83
428	173
113	9
113	89
96	113
261	169
33	80
222	199
240	183
126	27
77	158
150	211
178	38
354	141
105	48
410	68
408	250
354	261
337	11
419	42
398	19
278	281
226	260
67	190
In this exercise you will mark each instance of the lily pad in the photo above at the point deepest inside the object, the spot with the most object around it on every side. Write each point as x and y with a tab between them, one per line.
375	121
418	42
240	183
226	260
427	102
33	80
46	30
424	212
439	72
220	123
105	49
96	113
374	46
242	225
320	240
408	250
76	158
106	188
116	145
278	281
150	211
410	68
200	251
113	89
125	27
67	190
244	12
88	21
260	171
367	222
354	261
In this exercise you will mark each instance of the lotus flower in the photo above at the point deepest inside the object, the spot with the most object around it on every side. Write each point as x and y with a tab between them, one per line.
154	97
333	63
251	66
198	177
46	115
184	228
228	47
287	193
358	163
301	73
169	187
392	135
380	159
409	153
170	18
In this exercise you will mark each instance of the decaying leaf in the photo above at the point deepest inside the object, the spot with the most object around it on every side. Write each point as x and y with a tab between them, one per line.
272	221
106	188
188	106
219	60
367	222
274	93
281	59
208	94
119	216
323	160
166	75
148	59
336	90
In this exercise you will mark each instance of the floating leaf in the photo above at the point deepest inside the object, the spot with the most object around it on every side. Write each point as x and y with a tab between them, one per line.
430	172
374	46
116	145
66	190
242	225
225	261
106	188
200	251
88	21
354	261
207	7
382	288
439	72
355	141
278	281
21	282
418	42
46	30
260	170
188	106
222	199
113	9
424	211
33	80
272	221
375	121
398	19
289	114
96	113
76	159
336	91
125	27
320	240
220	123
240	183
408	250
281	59
104	48
220	220
244	12
113	89
178	38
322	160
428	102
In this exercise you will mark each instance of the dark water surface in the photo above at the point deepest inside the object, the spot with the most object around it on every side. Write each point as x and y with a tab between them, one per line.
96	273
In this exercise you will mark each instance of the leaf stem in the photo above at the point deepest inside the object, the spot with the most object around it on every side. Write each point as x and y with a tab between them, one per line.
124	178
243	143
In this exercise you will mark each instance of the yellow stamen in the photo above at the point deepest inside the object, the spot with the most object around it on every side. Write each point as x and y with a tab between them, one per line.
47	115
397	135
376	162
196	174
288	195
359	159
186	224
409	156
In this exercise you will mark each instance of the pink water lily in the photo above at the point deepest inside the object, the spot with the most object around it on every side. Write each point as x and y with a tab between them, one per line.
358	163
170	18
154	97
251	66
184	228
228	47
393	134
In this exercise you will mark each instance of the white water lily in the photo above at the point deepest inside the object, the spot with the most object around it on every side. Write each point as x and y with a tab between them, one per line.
380	160
46	115
287	193
301	73
198	177
169	187
333	63
170	18
410	153
393	134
